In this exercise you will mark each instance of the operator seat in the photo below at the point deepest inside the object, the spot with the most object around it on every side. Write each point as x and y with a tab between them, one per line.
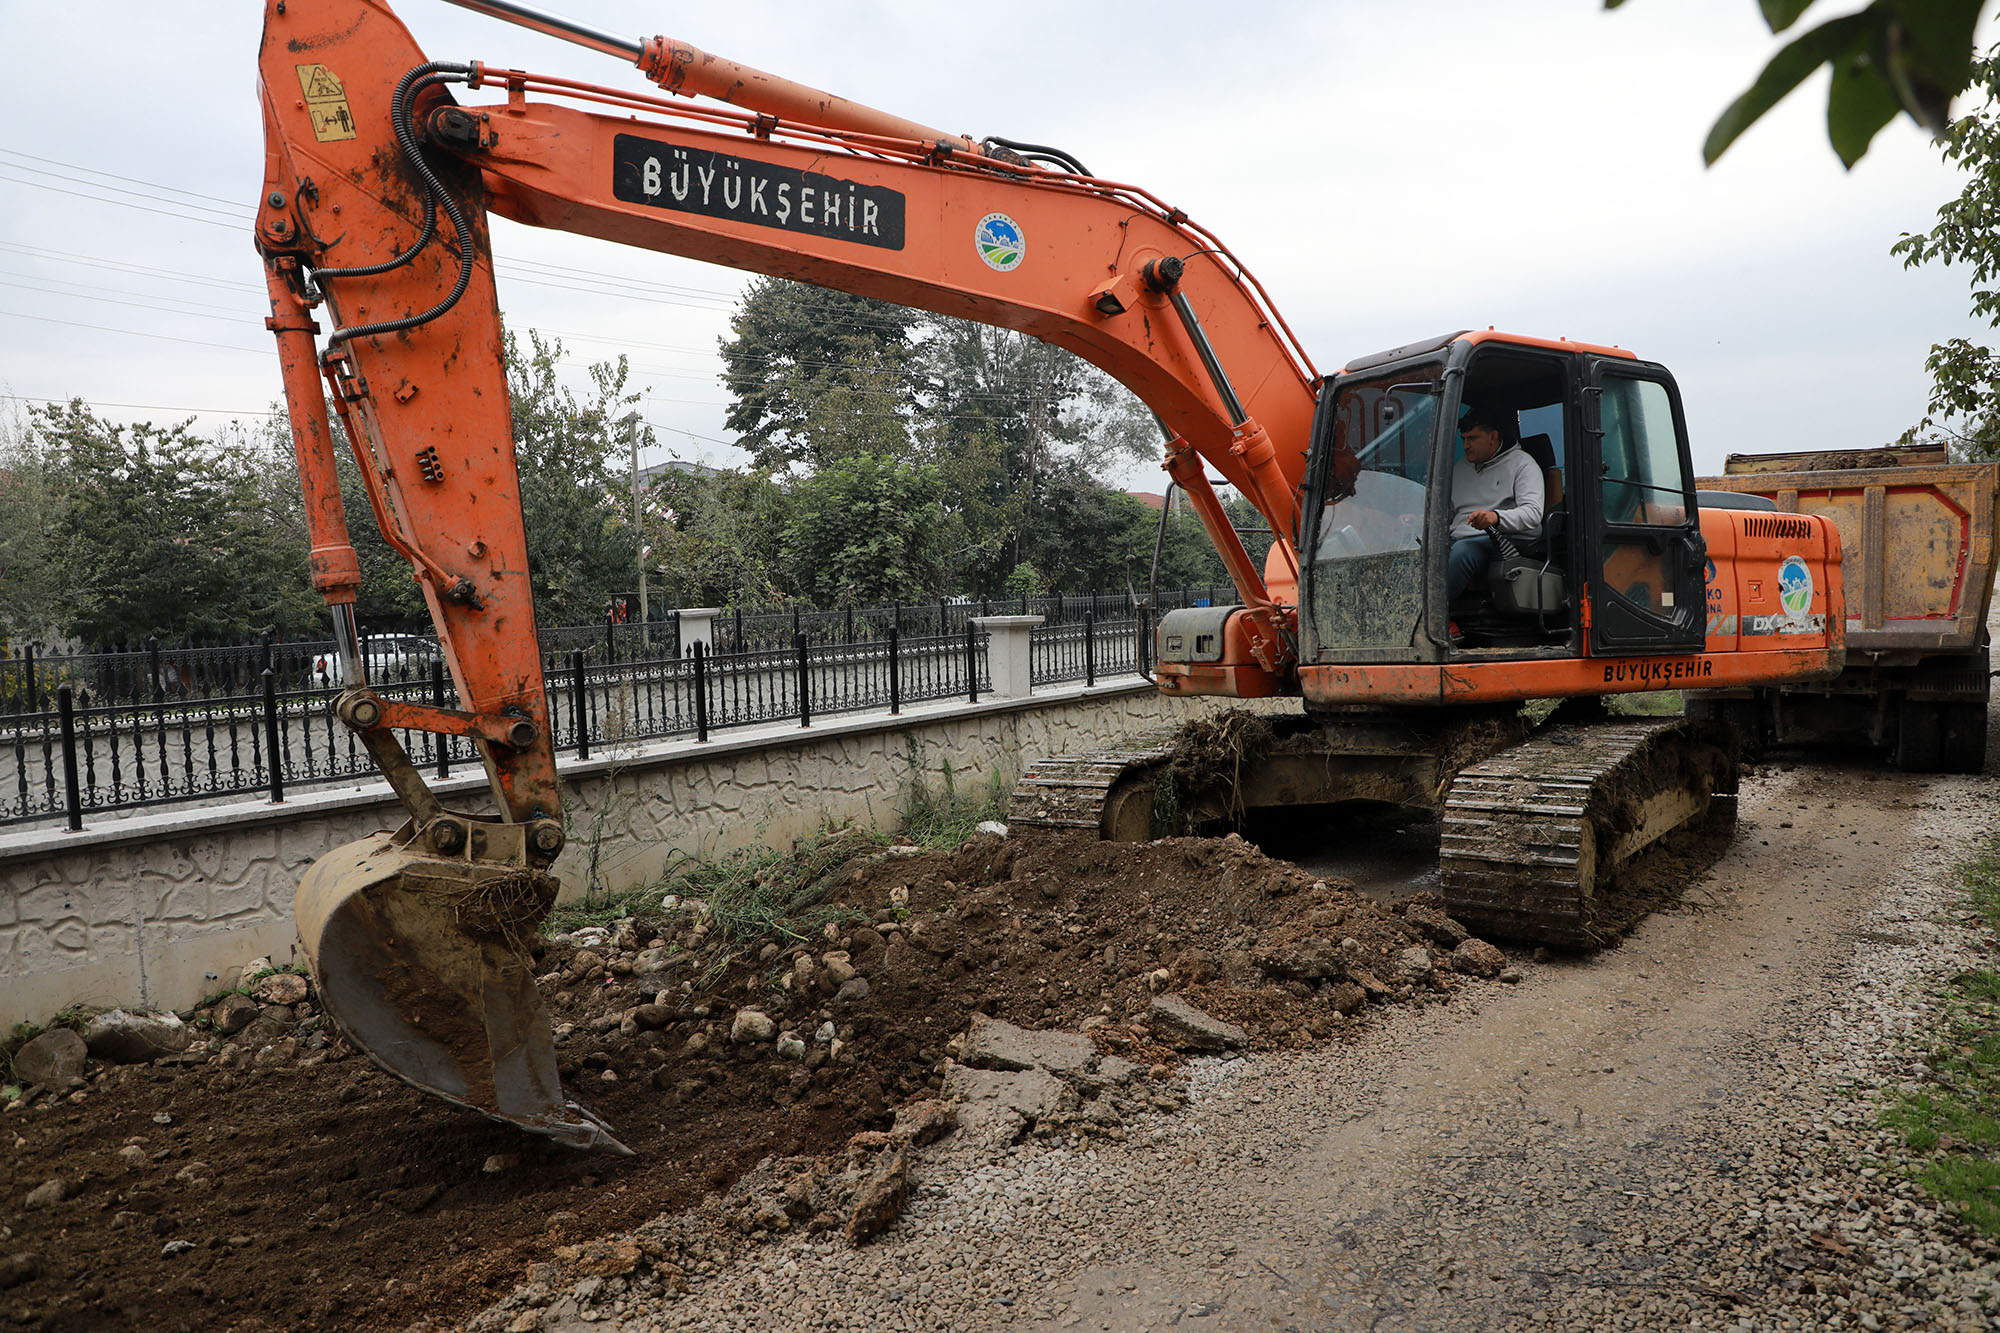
1529	581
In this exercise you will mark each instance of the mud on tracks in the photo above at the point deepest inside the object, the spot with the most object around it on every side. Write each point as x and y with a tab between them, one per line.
318	1193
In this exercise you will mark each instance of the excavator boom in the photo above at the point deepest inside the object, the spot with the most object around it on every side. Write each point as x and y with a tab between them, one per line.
379	181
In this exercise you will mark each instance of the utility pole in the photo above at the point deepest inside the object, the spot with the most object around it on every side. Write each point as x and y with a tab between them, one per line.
639	531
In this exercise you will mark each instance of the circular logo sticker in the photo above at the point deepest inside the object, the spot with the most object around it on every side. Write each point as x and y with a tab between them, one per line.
1000	242
1795	586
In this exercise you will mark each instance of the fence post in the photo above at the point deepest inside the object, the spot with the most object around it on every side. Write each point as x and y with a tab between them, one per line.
971	664
153	666
72	794
578	710
1145	641
1090	645
850	620
738	612
610	637
34	687
805	677
700	690
437	700
677	634
272	755
944	623
895	669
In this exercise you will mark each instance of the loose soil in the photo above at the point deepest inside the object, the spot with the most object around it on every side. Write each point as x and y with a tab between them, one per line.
319	1193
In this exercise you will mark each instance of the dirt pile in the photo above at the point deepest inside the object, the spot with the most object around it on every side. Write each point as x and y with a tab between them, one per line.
266	1177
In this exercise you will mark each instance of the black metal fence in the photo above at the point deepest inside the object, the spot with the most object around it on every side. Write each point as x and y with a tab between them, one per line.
91	734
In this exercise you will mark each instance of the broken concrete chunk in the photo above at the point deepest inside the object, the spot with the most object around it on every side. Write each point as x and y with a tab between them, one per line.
1186	1028
993	1044
881	1198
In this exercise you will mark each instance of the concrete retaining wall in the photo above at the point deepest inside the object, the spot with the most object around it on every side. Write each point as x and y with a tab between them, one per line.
150	910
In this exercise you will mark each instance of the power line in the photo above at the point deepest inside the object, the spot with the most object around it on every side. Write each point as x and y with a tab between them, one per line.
127	203
234	317
233	207
144	407
102	328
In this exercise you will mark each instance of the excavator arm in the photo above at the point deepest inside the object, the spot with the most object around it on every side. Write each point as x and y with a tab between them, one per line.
382	169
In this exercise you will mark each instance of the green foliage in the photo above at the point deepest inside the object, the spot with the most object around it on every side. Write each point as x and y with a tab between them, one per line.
1913	56
1954	1124
716	539
159	531
1965	402
943	818
866	529
761	893
582	549
817	375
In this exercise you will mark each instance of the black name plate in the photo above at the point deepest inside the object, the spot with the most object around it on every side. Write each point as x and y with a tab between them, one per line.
742	189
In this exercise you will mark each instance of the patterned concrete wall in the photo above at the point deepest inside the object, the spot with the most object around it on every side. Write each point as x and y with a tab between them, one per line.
151	910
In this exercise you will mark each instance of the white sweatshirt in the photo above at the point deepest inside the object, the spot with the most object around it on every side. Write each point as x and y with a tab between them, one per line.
1509	483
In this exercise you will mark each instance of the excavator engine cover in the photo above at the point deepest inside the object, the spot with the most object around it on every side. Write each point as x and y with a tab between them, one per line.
421	961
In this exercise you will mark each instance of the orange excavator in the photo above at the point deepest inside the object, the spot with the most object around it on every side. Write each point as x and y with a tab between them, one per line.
382	170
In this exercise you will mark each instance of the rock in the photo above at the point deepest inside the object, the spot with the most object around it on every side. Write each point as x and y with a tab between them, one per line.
174	1247
1436	925
500	1163
1303	960
1370	985
1512	976
839	967
131	1039
133	1156
923	1122
852	992
1478	958
280	988
651	964
790	1047
992	826
881	1198
751	1025
992	1044
899	896
18	1268
1186	1028
1347	998
251	969
47	1194
585	961
652	1017
54	1059
233	1013
1159	979
1414	963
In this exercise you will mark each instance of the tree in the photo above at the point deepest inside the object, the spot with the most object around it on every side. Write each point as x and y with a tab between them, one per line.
1965	376
582	549
161	532
867	529
817	375
715	537
33	596
1912	56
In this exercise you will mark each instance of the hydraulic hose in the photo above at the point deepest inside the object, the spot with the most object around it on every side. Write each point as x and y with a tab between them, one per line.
435	193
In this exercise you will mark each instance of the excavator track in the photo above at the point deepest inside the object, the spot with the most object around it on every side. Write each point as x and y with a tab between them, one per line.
1068	792
1535	840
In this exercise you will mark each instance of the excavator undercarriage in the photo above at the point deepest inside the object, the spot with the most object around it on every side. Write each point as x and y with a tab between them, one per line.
1541	825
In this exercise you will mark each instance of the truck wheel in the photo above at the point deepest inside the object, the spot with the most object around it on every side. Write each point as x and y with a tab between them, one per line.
1919	737
1964	737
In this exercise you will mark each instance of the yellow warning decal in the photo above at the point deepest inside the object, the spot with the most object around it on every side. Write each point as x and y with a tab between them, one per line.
326	103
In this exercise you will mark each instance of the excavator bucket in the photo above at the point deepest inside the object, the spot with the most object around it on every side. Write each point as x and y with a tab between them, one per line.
422	963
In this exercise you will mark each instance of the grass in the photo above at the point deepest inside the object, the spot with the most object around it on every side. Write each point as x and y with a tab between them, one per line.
1953	1127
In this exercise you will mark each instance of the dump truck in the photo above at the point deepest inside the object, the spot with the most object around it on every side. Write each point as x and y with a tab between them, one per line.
1916	531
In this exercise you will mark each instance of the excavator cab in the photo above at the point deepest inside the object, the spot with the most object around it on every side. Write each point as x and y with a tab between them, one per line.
1615	564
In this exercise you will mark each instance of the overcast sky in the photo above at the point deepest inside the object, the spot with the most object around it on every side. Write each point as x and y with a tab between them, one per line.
1391	169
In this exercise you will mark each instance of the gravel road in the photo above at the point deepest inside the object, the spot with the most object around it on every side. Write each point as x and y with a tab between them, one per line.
1676	1133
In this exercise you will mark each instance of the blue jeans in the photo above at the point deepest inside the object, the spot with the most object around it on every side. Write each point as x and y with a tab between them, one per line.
1469	555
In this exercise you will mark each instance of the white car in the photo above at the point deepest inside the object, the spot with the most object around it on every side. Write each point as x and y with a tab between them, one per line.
389	657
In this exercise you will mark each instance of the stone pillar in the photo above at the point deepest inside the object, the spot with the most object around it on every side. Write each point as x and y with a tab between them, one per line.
1008	655
698	627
